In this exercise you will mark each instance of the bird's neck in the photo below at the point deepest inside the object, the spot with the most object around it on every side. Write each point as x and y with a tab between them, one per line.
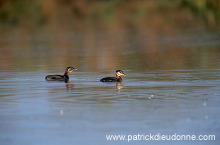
119	79
67	73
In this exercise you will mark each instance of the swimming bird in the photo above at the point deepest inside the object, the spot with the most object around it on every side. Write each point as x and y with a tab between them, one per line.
118	78
64	77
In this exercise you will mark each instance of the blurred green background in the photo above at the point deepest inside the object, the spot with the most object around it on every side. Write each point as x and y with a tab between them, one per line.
115	31
43	12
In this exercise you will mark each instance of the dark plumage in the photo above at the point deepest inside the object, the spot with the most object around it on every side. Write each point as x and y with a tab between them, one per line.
64	77
118	78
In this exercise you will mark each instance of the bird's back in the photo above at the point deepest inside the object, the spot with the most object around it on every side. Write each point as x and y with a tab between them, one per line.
55	77
109	79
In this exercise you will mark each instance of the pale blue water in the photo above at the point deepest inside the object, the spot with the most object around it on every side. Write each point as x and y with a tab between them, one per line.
84	110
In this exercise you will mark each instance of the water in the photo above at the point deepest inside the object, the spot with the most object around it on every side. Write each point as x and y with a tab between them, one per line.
172	86
33	110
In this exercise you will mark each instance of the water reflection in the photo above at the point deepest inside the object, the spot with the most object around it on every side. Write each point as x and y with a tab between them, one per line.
119	86
69	86
111	54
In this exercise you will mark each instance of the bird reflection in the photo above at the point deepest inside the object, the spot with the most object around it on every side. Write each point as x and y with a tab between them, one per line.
69	85
119	86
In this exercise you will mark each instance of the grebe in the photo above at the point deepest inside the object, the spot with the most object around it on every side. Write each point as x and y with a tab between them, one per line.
118	78
64	77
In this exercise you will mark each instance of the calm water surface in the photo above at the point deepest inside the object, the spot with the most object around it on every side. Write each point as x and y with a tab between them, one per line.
171	89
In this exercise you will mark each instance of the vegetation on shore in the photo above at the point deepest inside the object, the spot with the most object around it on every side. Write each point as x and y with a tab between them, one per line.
18	11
